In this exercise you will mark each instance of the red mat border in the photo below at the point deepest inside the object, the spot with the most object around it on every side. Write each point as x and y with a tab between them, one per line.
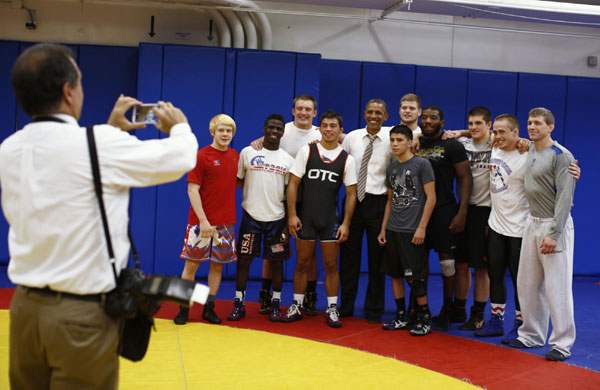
479	363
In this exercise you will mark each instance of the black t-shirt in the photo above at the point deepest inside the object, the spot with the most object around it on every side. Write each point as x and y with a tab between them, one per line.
443	154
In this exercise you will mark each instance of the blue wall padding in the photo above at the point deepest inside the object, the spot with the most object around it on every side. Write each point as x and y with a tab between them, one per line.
8	109
105	78
388	82
251	84
582	138
142	208
340	91
495	90
542	90
446	88
193	81
308	73
264	84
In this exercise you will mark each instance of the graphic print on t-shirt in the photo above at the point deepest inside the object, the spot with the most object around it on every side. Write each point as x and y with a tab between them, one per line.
257	163
404	190
500	173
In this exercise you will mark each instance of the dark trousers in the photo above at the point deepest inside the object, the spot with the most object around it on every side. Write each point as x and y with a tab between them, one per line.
368	216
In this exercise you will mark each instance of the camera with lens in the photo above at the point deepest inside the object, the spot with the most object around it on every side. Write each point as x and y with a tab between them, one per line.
137	293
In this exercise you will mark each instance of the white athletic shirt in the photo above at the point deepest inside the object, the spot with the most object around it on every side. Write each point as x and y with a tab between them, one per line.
479	160
299	166
265	173
509	204
294	138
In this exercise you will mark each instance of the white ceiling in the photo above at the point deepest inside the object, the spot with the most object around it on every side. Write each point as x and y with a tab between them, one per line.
584	13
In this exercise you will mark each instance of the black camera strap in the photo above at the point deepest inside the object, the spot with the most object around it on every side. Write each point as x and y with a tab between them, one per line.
98	187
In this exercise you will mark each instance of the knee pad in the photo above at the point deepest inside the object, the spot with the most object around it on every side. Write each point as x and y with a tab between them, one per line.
419	289
447	267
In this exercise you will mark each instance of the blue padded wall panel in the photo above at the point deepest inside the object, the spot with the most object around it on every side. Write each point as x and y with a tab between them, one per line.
582	139
308	73
142	207
264	84
8	109
9	52
340	91
192	79
495	90
388	82
446	88
108	71
541	90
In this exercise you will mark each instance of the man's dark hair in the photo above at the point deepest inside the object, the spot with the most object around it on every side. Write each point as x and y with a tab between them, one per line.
404	130
378	101
433	107
481	111
330	114
513	122
278	117
38	77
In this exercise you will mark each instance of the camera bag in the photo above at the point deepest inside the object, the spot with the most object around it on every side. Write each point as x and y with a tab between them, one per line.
135	335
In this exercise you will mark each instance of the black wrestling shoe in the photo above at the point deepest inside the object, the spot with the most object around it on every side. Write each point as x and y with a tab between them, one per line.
209	313
182	317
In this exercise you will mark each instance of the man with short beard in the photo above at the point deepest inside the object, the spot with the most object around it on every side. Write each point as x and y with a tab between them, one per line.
450	162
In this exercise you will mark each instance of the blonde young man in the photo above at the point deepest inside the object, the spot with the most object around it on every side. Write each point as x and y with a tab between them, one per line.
210	233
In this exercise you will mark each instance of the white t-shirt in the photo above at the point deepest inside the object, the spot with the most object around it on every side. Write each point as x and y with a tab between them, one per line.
299	166
479	159
509	204
265	173
355	144
294	138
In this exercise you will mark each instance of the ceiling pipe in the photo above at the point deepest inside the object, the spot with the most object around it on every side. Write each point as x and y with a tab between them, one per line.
262	23
250	30
222	28
235	26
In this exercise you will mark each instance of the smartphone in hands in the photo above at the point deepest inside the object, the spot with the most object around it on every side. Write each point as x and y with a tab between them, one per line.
144	114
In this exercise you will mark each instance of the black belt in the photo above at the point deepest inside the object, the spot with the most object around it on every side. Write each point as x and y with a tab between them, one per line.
367	195
49	292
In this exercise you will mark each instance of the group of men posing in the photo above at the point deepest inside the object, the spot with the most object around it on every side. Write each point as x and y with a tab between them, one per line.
513	213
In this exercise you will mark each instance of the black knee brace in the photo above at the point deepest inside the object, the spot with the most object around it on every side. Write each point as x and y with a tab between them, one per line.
418	287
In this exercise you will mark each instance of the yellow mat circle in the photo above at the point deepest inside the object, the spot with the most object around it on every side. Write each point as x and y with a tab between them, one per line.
202	356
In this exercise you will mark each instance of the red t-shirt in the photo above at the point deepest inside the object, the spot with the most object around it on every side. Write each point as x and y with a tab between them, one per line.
215	173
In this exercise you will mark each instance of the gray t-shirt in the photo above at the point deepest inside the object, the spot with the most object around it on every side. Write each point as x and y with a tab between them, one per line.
479	159
406	179
549	187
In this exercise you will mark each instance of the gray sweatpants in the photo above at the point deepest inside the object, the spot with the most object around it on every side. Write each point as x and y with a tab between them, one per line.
545	288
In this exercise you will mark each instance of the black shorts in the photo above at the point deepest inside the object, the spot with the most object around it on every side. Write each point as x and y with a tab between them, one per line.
323	227
472	242
402	258
253	232
439	237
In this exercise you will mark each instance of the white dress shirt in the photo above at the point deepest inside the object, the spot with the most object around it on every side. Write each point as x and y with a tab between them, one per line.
356	142
56	238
